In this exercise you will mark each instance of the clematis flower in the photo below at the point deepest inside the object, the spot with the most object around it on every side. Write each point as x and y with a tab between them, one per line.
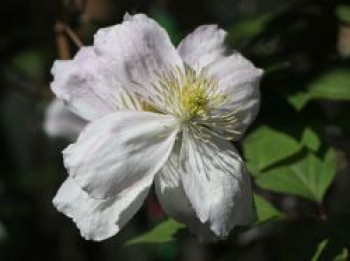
158	115
60	122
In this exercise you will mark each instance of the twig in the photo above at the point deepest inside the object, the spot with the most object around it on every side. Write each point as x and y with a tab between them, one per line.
76	40
62	42
62	27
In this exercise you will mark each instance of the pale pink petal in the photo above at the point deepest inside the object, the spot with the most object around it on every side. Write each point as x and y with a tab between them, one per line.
203	46
60	122
118	150
174	201
238	78
138	51
239	82
99	219
216	183
88	86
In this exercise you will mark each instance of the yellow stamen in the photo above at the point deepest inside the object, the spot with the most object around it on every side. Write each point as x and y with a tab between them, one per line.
195	99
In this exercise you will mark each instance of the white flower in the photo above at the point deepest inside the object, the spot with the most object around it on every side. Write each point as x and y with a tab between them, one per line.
60	122
159	115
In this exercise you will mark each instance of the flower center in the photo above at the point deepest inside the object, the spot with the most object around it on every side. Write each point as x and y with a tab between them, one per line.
196	100
188	96
193	97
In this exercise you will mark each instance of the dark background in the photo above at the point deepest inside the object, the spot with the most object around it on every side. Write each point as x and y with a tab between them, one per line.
294	41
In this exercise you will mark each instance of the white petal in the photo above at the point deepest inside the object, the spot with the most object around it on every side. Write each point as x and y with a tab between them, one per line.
239	80
216	183
120	149
173	199
138	50
88	85
61	122
203	46
99	219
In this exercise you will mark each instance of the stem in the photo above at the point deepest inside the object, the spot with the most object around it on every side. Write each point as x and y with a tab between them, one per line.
62	42
61	27
76	40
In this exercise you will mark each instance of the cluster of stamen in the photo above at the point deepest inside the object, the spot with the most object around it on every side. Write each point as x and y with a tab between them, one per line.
195	99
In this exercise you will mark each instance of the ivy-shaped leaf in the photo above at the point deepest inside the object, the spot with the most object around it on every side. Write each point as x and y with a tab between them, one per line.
265	209
309	177
299	100
310	140
266	146
162	233
332	85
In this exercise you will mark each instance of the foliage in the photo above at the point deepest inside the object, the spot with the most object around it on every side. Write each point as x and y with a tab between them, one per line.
162	233
266	146
248	28
297	151
343	13
265	210
308	177
332	85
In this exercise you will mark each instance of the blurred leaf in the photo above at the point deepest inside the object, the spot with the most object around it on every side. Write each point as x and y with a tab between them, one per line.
162	233
252	169
30	63
320	248
266	146
276	68
310	140
343	13
249	28
308	177
328	171
343	255
299	100
334	85
168	23
265	209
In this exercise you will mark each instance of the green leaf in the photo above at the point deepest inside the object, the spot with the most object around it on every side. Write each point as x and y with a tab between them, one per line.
167	21
343	255
265	209
31	63
252	169
162	233
334	85
309	177
249	27
343	13
266	146
299	100
275	68
320	248
328	171
310	140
